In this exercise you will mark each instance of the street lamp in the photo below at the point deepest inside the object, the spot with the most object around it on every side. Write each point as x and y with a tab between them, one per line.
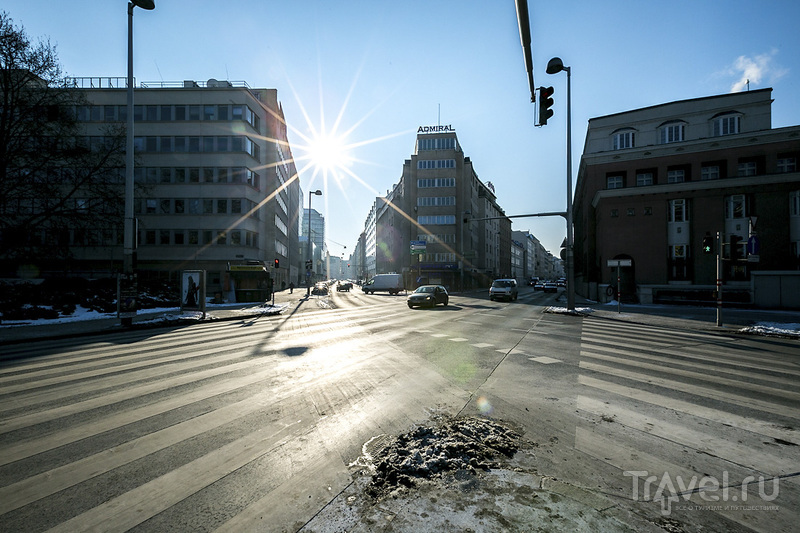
128	238
310	245
554	66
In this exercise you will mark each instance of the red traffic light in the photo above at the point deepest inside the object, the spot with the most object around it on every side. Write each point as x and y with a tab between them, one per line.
277	263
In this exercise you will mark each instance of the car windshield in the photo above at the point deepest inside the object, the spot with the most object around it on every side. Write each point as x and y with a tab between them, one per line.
501	284
425	289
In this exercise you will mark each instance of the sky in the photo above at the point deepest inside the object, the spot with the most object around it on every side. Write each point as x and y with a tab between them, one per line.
368	73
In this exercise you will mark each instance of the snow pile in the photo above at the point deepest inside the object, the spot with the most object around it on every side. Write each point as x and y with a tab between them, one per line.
773	328
565	311
464	444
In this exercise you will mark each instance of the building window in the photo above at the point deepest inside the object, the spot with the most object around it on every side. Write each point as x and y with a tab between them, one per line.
647	211
671	133
614	213
726	125
678	211
735	206
676	176
436	163
623	139
787	164
644	178
631	212
614	182
794	204
709	172
747	168
435	201
436	143
436	182
436	220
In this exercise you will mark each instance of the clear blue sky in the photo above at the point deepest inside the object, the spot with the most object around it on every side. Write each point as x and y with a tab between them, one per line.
381	69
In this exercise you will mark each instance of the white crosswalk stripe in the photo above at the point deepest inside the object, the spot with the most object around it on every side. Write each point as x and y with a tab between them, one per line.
648	389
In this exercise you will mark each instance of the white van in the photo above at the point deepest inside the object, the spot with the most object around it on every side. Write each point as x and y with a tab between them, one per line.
392	283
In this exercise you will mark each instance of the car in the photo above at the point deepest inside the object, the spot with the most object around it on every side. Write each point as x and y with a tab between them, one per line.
550	286
344	286
320	288
503	289
429	296
538	286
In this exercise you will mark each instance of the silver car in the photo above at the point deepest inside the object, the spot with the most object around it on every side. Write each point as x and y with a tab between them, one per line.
503	289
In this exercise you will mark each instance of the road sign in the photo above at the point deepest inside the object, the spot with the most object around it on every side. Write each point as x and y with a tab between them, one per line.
620	262
418	247
753	245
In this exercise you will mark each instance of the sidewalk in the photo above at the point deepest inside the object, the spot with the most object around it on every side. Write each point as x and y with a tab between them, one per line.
16	332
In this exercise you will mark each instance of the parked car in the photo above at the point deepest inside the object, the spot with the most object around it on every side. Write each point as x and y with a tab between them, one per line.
550	286
344	286
320	288
502	289
428	295
391	283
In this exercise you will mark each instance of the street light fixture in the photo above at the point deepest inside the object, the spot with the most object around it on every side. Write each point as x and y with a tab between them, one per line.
554	66
128	228
310	245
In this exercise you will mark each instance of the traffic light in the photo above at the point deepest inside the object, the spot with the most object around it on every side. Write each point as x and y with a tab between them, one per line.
308	264
277	263
735	252
708	244
545	103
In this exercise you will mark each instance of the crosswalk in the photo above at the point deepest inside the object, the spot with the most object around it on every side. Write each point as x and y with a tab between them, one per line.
671	407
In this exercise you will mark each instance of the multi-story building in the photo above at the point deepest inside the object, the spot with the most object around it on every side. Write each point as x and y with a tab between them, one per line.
654	182
215	179
317	236
439	200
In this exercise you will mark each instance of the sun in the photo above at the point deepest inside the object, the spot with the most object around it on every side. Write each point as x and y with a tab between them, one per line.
328	152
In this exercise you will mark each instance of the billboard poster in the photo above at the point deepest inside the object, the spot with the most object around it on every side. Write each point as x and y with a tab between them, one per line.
193	290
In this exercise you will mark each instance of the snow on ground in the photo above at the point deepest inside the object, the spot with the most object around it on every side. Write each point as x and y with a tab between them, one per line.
160	314
773	328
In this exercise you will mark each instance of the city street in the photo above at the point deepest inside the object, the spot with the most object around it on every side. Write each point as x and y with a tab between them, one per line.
265	423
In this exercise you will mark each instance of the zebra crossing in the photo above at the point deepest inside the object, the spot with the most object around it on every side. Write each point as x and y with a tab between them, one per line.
667	405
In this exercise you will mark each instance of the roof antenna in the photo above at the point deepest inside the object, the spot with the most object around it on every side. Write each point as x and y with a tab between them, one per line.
748	85
439	120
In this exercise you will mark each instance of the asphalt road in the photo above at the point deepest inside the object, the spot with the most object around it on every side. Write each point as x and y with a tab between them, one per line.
259	424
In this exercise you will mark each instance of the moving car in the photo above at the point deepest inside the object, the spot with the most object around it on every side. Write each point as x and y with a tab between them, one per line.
428	295
391	283
344	286
320	288
550	286
503	289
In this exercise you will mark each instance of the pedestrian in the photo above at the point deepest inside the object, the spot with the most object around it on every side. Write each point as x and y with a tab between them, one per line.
291	287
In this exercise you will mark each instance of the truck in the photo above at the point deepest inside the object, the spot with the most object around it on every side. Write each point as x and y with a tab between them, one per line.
391	283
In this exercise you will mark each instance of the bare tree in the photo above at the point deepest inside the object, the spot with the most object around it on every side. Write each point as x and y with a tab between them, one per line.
57	185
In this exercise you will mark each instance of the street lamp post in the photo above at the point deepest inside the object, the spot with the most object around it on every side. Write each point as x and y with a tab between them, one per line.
555	66
310	244
128	228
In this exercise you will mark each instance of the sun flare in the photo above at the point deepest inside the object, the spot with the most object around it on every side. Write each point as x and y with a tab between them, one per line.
328	152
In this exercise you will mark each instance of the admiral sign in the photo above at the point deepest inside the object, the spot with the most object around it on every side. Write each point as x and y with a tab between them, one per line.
436	129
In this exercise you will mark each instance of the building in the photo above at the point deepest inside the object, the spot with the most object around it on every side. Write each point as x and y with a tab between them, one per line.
317	236
215	181
655	182
440	201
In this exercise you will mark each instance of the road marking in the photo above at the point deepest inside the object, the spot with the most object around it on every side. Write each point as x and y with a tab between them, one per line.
458	339
439	335
482	345
545	360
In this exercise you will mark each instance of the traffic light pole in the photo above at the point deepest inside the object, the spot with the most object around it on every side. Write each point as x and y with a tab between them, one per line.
719	280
